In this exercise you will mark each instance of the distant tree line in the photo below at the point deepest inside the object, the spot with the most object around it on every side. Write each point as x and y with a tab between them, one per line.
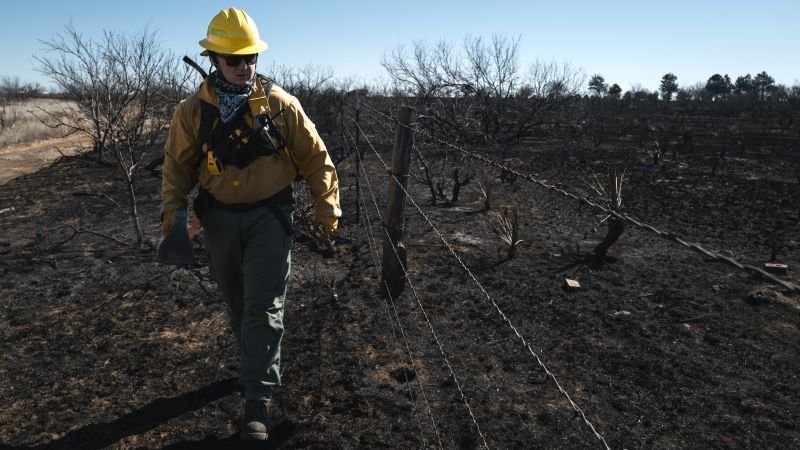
761	87
14	89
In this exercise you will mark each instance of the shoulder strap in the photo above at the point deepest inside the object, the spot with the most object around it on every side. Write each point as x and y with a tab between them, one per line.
266	84
208	115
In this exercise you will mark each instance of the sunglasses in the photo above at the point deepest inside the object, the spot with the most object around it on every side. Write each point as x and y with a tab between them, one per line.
235	60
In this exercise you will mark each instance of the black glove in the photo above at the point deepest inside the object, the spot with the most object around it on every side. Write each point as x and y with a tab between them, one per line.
175	248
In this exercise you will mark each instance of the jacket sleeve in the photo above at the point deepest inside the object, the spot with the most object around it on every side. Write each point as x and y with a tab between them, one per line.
309	153
182	155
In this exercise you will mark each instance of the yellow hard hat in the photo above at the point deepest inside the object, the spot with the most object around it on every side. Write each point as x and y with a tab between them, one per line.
233	32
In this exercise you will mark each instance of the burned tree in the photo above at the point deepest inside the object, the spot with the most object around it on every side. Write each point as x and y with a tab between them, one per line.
478	94
458	183
609	194
125	88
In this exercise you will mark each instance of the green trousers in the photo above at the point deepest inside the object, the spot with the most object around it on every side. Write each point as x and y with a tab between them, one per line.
250	258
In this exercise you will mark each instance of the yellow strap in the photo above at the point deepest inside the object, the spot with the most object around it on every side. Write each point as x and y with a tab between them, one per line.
214	165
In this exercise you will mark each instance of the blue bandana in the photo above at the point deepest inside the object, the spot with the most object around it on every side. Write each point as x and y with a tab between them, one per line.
231	97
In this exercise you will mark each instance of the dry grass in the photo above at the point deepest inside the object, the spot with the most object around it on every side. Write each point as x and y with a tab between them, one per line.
506	226
23	126
609	190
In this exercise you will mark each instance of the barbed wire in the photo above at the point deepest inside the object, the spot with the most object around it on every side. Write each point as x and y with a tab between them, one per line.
413	362
525	343
422	308
436	338
714	256
371	242
392	319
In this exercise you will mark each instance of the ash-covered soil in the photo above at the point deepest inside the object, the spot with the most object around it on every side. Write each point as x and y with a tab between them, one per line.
661	348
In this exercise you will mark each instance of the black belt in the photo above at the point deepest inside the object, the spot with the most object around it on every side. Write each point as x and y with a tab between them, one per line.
206	201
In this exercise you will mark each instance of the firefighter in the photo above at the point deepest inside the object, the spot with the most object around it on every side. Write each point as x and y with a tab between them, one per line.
242	141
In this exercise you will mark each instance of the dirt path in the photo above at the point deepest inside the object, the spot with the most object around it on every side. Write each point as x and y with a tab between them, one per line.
20	159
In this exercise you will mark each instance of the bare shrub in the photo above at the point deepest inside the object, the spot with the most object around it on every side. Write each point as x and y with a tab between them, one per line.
505	225
653	148
458	183
425	175
609	193
485	190
119	85
322	98
8	114
303	81
14	92
478	94
303	209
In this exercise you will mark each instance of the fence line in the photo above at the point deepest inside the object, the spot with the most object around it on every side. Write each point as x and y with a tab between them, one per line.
392	319
715	256
436	339
527	345
422	308
371	242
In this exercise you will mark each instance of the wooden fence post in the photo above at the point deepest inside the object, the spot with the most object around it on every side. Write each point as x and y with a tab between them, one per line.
393	276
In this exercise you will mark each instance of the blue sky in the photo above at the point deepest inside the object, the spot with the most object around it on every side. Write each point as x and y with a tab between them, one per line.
628	42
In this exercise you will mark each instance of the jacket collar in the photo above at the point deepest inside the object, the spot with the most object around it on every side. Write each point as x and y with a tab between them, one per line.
257	100
207	93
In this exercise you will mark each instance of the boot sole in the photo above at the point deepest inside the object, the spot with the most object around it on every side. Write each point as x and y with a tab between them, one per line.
245	436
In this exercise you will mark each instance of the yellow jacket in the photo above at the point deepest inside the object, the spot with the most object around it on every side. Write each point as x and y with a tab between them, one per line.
185	161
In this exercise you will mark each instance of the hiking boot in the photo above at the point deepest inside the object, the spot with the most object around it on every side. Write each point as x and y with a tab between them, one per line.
254	422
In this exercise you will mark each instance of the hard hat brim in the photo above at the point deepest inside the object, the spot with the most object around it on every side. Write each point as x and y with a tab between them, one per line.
258	47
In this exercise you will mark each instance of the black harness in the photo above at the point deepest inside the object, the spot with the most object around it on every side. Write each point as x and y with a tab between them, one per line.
236	142
239	144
